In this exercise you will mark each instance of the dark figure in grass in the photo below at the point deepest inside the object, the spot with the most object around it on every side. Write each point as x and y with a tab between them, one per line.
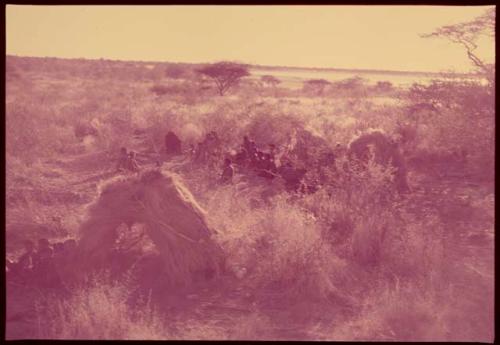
250	149
227	172
122	160
132	164
173	145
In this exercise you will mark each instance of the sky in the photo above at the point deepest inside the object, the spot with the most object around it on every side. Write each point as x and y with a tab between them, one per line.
364	37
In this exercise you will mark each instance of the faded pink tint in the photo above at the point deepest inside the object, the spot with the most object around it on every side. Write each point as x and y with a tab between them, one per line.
224	200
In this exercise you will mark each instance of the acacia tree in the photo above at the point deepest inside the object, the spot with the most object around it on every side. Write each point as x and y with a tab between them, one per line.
270	80
468	34
225	74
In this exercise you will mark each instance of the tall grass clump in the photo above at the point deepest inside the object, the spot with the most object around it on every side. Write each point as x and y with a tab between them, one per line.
400	313
99	309
427	310
278	243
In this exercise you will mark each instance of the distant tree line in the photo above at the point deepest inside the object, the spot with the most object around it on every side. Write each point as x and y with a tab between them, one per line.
102	68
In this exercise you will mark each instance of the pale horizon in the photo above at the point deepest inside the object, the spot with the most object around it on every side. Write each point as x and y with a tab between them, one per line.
243	62
216	33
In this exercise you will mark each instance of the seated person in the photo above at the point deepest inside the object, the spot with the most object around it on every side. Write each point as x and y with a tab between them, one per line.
227	172
132	164
172	144
25	261
122	160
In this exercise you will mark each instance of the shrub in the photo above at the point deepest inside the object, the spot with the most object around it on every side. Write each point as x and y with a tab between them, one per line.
464	121
175	72
83	129
316	86
384	86
355	86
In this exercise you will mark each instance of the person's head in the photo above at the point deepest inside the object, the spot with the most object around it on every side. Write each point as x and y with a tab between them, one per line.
43	243
132	154
123	151
29	245
245	138
227	161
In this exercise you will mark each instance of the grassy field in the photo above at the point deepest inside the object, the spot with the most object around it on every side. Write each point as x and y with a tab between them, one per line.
352	261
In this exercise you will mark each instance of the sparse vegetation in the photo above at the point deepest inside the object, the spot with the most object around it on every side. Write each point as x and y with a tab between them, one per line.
352	261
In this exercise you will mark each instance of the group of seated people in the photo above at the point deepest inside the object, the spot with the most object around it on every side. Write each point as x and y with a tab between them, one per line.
41	263
263	164
249	158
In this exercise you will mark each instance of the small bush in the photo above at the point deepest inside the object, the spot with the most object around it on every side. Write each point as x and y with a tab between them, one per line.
462	122
175	72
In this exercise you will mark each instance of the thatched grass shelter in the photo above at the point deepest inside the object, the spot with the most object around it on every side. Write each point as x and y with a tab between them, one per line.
171	216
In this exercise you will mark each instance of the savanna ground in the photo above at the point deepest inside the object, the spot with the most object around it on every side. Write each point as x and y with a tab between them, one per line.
353	261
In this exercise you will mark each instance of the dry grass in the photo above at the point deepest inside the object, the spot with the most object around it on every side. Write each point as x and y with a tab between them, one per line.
99	310
353	244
